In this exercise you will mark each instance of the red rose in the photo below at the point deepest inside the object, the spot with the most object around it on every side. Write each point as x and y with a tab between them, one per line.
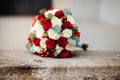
47	25
67	24
51	44
36	41
51	55
50	8
64	54
59	14
77	34
36	53
41	16
62	42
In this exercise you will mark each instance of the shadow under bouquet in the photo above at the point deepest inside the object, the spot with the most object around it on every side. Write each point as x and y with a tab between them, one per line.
54	33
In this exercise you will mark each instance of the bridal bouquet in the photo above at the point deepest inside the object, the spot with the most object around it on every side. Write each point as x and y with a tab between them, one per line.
54	33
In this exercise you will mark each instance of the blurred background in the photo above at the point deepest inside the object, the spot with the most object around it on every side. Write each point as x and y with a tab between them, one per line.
23	7
98	20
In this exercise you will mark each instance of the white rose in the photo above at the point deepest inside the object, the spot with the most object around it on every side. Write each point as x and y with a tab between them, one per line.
36	48
37	24
70	18
56	21
69	47
39	31
67	33
43	43
50	11
58	49
53	35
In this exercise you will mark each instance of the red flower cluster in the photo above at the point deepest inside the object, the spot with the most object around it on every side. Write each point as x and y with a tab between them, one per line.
45	53
36	41
62	42
50	8
51	55
59	14
65	54
47	25
51	44
77	34
41	16
67	24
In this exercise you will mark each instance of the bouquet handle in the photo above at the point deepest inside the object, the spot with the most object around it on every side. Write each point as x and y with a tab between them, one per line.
82	45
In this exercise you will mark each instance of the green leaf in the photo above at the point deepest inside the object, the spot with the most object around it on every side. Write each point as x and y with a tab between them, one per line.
32	36
67	12
75	28
42	10
28	46
57	29
50	16
72	41
55	54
